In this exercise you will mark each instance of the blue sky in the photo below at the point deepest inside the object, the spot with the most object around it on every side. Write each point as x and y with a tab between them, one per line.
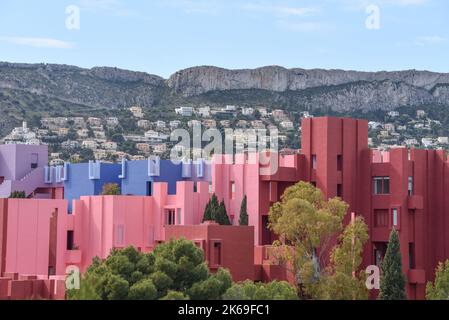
163	36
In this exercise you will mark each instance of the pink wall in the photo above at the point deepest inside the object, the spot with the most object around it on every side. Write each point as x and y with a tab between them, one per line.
28	236
102	223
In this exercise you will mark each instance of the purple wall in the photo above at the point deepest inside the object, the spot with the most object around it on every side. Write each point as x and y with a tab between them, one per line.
16	160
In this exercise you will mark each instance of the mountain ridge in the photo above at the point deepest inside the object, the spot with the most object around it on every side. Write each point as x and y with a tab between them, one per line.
296	89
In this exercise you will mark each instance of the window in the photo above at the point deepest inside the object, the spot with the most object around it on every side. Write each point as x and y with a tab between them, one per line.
381	185
380	218
314	162
394	217
217	254
410	186
34	160
339	190
149	188
232	187
386	185
411	255
210	187
179	216
339	162
70	240
170	218
195	187
120	235
378	257
313	183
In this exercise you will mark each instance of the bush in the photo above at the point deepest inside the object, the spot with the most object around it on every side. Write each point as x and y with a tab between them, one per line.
111	189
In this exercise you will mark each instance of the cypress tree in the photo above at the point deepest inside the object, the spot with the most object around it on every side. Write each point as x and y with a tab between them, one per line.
243	221
392	281
223	218
214	206
207	213
210	212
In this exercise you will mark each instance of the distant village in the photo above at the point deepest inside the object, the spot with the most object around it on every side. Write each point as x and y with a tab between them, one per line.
78	139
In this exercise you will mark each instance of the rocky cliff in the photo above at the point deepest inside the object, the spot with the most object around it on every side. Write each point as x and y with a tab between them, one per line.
336	90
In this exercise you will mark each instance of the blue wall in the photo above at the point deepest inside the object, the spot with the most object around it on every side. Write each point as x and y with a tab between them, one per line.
137	178
79	184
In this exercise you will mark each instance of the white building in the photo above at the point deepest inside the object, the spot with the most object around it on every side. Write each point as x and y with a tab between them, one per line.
136	111
184	111
427	142
160	148
94	122
160	124
411	142
420	113
443	140
70	144
248	111
89	144
144	124
287	125
204	112
112	122
110	145
175	124
374	125
390	127
393	114
144	147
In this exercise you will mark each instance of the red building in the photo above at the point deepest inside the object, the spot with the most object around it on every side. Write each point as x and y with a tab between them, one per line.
407	189
223	246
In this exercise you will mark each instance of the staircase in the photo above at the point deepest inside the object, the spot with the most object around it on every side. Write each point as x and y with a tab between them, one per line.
29	183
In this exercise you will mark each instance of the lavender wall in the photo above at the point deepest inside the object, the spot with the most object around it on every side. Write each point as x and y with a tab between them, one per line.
15	160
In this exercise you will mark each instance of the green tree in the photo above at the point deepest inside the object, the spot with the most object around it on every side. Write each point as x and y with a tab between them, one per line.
342	280
222	217
216	211
306	224
175	295
143	290
174	270
243	221
110	189
18	195
439	290
212	288
392	280
248	290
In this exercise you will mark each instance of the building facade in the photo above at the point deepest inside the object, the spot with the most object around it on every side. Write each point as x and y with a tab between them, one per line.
402	189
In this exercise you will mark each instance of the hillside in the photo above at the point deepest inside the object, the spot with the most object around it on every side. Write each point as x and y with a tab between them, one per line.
33	90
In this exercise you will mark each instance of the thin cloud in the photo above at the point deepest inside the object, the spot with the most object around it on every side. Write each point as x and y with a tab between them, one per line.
363	4
429	40
38	42
280	10
195	6
112	7
300	26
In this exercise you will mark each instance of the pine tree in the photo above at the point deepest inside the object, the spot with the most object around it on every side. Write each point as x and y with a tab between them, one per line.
243	221
392	282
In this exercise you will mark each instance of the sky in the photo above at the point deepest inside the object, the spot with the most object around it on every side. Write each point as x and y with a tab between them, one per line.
164	36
